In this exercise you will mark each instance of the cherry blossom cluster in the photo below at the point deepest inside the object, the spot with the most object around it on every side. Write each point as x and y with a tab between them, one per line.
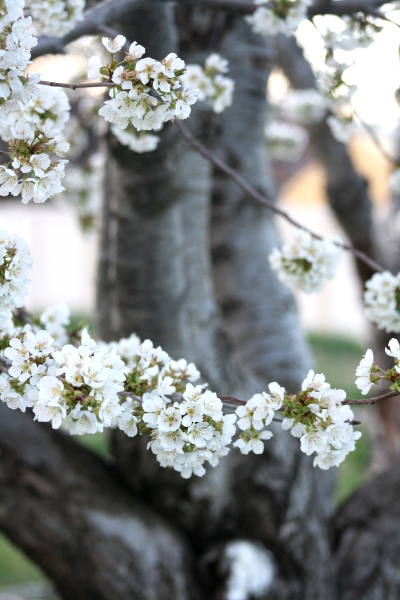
140	143
77	386
147	92
382	301
186	434
351	33
16	43
34	172
278	16
15	266
48	104
285	141
210	82
304	263
56	17
323	424
304	107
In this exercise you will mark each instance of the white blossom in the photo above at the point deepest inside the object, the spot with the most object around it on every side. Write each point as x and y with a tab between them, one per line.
305	262
114	45
209	82
363	373
381	299
169	419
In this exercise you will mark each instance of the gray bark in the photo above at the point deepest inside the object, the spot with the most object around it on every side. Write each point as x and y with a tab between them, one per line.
165	291
368	540
70	514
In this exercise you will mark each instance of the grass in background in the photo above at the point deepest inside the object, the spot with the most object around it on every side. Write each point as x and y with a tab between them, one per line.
336	357
15	567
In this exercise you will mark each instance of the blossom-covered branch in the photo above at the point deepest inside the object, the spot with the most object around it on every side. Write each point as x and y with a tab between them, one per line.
70	380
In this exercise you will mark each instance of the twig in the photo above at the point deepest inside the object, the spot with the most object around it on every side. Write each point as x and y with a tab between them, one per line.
247	187
231	400
4	152
75	86
371	400
130	395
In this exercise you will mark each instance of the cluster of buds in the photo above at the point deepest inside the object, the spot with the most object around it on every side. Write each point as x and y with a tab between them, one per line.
147	92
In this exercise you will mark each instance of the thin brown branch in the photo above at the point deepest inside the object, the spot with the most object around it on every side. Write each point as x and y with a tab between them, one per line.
231	400
76	86
371	400
262	199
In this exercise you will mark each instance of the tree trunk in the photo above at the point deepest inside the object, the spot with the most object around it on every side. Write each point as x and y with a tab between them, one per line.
368	540
165	291
71	515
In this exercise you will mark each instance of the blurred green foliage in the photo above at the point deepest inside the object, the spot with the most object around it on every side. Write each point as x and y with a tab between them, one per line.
14	566
336	357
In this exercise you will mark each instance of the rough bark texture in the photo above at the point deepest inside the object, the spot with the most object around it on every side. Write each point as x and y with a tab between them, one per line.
368	544
71	515
164	291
